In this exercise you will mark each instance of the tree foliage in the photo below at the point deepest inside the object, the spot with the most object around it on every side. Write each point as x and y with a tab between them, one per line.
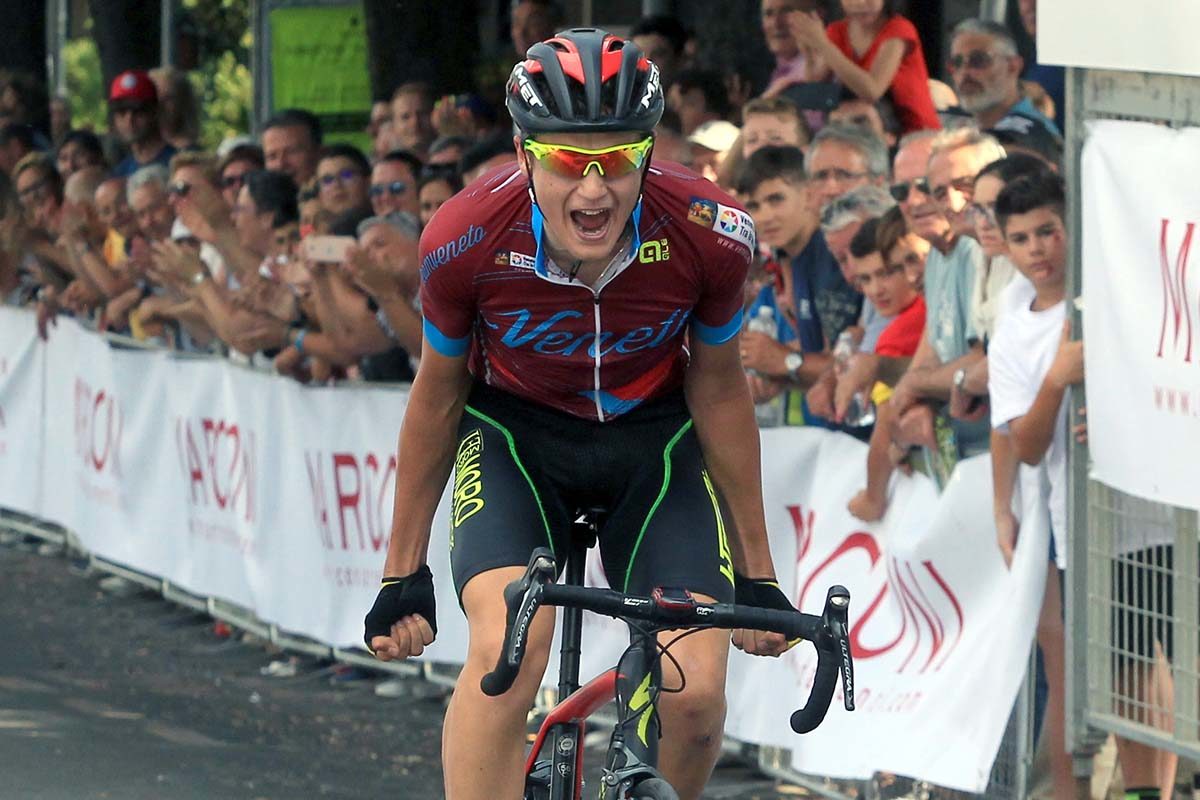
220	31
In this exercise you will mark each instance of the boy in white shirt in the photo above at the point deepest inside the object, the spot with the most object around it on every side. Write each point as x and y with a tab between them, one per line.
1033	363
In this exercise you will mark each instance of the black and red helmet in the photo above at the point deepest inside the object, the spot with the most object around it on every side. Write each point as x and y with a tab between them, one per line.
585	80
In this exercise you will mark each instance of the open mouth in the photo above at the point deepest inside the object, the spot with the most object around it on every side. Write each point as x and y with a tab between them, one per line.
592	224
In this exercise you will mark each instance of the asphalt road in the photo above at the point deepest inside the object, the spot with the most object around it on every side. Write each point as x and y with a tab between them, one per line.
128	697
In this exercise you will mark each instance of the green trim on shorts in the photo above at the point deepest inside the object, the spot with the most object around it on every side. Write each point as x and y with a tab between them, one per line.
512	449
658	501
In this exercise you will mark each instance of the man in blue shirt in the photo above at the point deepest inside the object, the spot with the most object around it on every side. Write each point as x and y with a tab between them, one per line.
133	109
810	299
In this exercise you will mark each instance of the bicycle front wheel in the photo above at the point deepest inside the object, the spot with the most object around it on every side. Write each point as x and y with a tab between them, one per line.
653	789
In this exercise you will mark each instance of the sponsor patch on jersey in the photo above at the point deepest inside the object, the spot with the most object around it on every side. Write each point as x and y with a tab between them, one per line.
702	211
654	251
521	260
735	224
501	258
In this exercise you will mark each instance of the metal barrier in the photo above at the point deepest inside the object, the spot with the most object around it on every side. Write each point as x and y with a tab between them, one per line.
1010	773
1122	625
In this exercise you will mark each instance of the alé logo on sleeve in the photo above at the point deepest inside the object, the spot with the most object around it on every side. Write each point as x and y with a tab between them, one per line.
559	334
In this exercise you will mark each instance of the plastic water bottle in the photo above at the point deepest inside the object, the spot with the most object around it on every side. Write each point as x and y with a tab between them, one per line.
769	413
861	411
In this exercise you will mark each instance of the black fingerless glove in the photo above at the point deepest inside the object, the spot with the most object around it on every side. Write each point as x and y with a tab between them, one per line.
760	593
399	598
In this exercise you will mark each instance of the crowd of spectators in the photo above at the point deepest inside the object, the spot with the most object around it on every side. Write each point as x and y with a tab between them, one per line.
905	226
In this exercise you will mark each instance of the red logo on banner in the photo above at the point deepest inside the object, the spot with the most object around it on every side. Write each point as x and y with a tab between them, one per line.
357	491
217	458
930	623
1177	314
98	424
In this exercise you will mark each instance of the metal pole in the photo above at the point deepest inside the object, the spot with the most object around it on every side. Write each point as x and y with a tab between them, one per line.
995	10
167	33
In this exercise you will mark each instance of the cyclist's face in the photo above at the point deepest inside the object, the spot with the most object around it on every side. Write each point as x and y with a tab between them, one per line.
585	216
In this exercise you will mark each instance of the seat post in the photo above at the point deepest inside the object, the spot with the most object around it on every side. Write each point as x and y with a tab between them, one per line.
583	535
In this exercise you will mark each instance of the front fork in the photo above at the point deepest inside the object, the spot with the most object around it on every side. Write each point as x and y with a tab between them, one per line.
633	750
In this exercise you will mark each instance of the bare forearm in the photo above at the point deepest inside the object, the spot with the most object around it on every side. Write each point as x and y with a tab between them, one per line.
936	381
1033	432
855	78
237	258
815	365
405	321
728	435
890	370
321	345
426	453
1004	472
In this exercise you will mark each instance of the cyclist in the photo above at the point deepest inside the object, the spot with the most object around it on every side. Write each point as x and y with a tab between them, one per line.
581	309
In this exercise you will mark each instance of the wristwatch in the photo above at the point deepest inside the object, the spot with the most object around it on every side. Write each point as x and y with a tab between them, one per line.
960	377
792	362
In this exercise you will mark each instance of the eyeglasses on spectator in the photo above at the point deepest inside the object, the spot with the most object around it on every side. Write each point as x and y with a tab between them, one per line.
964	186
901	190
341	176
976	59
394	188
836	174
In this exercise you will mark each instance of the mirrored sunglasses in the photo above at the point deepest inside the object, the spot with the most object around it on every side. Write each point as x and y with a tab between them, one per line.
577	162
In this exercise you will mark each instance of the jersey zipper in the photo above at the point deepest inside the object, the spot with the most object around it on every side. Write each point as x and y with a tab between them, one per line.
596	345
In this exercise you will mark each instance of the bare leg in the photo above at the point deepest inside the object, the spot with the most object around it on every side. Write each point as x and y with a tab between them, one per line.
1050	638
483	739
693	721
1141	765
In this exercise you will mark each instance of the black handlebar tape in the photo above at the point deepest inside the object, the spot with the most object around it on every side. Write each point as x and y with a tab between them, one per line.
808	718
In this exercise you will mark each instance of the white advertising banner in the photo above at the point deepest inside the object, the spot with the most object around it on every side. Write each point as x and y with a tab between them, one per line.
1146	36
252	489
1141	324
21	417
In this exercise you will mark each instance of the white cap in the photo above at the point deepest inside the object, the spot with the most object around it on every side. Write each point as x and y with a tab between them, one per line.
227	145
716	135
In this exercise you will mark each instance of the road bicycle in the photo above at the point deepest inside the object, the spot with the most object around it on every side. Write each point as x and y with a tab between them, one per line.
635	683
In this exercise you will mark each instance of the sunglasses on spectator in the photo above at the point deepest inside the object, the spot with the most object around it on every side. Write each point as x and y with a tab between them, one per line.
836	174
982	212
576	162
900	191
976	59
395	189
339	177
964	186
230	181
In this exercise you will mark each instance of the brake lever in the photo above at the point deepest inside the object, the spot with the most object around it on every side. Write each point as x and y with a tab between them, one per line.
836	618
522	598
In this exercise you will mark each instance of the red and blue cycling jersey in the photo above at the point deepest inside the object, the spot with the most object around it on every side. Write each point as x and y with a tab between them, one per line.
489	289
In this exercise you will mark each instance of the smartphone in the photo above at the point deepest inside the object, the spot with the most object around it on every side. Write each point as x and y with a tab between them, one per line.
816	96
327	249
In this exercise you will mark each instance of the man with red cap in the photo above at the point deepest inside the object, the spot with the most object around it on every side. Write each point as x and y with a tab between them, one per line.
133	108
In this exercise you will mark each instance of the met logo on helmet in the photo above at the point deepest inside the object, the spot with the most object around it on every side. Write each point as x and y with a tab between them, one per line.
528	93
653	87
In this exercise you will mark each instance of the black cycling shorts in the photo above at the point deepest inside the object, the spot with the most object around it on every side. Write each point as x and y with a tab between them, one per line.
522	470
